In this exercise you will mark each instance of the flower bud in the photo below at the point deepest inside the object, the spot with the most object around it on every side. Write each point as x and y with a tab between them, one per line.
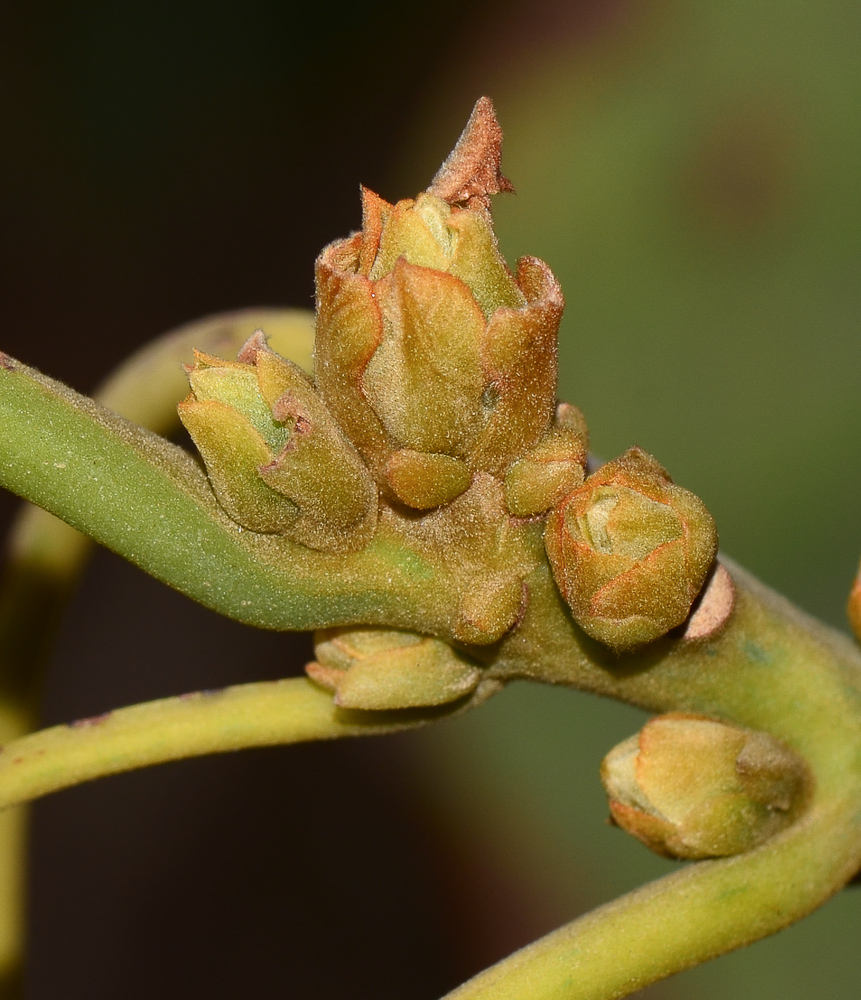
630	551
426	344
552	469
387	669
690	787
424	481
425	380
275	457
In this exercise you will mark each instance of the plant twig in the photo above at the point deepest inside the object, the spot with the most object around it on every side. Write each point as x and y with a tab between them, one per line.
246	715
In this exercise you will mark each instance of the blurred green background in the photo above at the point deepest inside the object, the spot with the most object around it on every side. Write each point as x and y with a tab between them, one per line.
690	172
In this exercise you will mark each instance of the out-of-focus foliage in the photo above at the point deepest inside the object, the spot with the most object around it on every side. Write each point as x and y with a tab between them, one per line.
691	173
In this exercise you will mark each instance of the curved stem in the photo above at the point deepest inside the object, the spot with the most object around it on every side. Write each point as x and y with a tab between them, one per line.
682	920
771	668
149	501
246	715
46	555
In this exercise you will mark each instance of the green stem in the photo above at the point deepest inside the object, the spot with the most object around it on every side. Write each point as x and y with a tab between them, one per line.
46	555
772	669
149	501
684	919
206	722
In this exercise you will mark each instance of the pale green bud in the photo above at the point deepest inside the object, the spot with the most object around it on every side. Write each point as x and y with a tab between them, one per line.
384	669
425	380
552	469
691	787
276	460
424	481
430	233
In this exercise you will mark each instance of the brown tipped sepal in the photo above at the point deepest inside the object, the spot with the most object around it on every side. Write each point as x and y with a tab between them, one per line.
275	457
385	669
630	551
472	172
690	787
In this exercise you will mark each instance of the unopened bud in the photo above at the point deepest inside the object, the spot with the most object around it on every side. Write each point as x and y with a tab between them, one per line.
552	469
690	787
426	343
424	481
630	551
275	457
425	380
387	669
429	232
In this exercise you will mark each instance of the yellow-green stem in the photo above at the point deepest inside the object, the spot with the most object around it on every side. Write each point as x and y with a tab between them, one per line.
772	668
234	718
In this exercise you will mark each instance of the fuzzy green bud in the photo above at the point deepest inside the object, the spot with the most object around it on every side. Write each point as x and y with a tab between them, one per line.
427	345
384	669
630	551
424	481
690	787
552	469
275	457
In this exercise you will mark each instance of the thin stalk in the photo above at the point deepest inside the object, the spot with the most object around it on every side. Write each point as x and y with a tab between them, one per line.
205	722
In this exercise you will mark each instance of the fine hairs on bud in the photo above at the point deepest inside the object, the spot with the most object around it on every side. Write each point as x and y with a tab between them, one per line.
630	551
692	787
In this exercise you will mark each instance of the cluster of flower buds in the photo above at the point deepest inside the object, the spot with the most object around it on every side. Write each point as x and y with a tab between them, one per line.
434	365
434	392
630	551
276	459
436	360
690	787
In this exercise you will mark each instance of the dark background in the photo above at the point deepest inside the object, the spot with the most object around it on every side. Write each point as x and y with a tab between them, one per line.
691	175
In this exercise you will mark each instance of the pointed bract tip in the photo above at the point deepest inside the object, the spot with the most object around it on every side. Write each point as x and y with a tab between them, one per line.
472	172
258	341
